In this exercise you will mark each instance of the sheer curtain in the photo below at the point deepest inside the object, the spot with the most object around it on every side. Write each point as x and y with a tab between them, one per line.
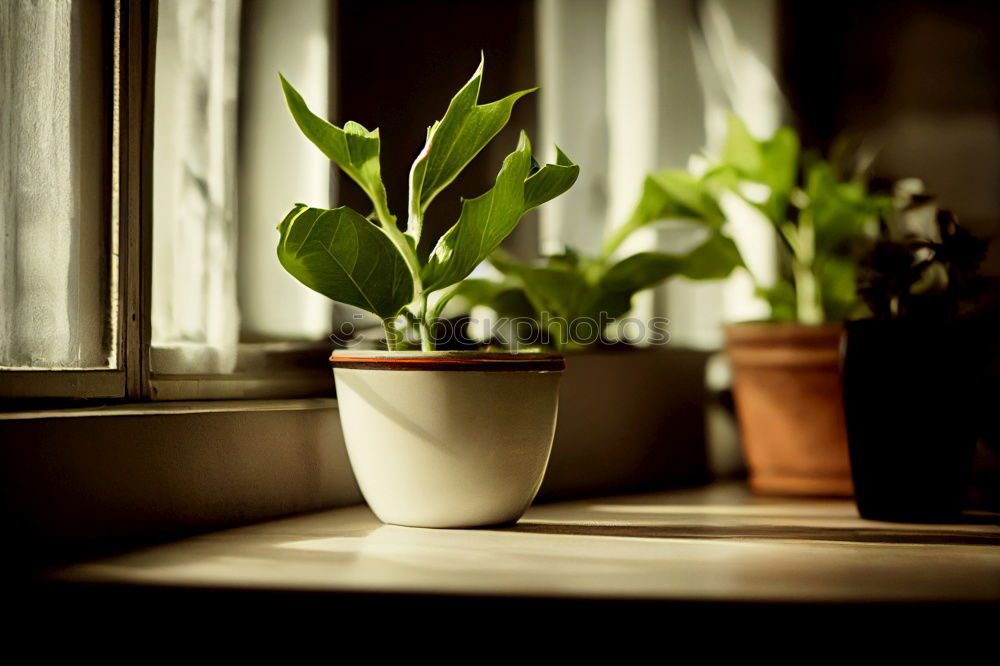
53	273
194	315
279	166
228	164
638	85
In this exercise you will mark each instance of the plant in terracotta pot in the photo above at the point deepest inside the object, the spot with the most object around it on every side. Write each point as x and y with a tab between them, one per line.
786	381
785	376
911	368
436	439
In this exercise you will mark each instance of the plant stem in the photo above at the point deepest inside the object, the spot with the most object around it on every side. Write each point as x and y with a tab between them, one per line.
398	239
808	304
391	334
423	325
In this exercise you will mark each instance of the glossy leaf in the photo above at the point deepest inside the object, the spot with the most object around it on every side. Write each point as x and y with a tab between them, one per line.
550	181
712	260
453	141
353	148
345	257
486	220
670	195
571	287
641	271
506	298
556	291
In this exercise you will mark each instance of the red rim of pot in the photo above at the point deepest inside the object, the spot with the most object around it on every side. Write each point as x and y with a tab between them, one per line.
447	361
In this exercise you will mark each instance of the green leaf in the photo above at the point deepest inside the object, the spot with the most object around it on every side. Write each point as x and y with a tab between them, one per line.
453	141
557	291
742	150
712	260
558	294
670	195
572	287
477	291
343	256
779	160
353	148
486	220
840	210
641	271
773	162
561	288
550	181
781	298
838	287
506	298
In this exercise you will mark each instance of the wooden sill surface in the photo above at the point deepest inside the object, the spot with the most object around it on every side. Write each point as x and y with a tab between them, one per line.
713	544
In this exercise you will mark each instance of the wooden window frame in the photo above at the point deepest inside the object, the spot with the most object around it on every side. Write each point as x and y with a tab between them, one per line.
134	22
270	370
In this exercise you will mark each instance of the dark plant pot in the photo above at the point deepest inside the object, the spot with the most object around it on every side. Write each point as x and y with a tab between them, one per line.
909	390
629	419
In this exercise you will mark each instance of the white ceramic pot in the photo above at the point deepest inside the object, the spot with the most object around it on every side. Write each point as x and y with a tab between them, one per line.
447	439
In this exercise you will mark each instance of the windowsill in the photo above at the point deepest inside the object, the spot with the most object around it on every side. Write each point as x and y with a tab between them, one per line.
173	407
263	370
716	544
86	480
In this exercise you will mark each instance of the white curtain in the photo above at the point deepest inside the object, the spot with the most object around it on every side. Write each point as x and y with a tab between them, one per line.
228	164
631	86
52	285
279	166
195	318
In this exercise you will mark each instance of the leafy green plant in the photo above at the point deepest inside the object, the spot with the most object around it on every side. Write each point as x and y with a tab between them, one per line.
367	261
923	265
819	219
571	293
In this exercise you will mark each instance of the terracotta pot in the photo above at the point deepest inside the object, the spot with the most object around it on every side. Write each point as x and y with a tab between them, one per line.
787	388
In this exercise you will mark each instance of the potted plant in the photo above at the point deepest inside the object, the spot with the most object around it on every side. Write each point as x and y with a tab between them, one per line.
910	370
436	439
786	380
630	416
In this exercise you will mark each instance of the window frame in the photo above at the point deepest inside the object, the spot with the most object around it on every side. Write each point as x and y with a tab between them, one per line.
133	22
265	370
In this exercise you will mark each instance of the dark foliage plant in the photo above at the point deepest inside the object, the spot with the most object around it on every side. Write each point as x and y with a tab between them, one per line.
924	264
